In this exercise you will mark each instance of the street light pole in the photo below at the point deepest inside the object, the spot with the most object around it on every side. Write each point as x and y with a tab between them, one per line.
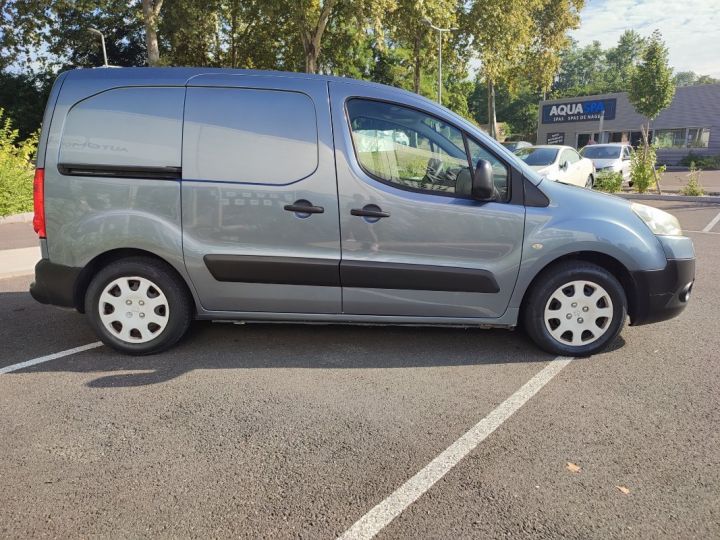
102	38
440	32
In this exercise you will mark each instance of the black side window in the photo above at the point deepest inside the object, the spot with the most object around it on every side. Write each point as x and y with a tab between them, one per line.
408	148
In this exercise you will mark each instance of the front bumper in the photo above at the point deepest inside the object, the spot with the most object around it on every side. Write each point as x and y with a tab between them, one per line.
659	295
55	284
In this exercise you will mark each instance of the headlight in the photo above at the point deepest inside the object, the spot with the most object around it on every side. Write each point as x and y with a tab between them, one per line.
659	222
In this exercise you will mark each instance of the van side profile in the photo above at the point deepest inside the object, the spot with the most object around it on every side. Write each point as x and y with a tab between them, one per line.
164	195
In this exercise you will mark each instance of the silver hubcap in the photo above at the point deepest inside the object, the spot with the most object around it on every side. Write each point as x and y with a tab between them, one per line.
133	309
578	313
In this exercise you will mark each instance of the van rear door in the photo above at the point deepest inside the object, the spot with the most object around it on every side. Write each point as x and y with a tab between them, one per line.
259	196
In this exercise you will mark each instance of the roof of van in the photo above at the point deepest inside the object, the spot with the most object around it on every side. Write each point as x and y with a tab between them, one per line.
183	75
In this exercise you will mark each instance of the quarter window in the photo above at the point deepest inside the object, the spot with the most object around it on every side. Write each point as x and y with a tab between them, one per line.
412	150
125	127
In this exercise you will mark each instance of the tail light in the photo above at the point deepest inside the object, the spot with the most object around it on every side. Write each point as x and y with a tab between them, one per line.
39	202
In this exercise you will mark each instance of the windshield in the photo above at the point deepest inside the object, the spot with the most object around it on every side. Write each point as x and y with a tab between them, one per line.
537	156
601	152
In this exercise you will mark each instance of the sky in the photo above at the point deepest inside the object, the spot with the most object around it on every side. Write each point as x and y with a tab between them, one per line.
690	28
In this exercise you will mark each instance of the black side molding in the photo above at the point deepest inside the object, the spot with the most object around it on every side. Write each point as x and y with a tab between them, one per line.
383	275
280	270
361	274
117	171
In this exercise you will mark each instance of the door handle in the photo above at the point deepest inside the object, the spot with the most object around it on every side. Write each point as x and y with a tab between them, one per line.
304	207
370	211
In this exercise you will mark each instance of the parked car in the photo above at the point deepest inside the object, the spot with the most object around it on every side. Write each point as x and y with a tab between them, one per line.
164	195
559	163
514	145
611	157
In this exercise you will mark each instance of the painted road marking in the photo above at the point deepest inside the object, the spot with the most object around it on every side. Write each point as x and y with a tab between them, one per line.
380	516
54	356
710	225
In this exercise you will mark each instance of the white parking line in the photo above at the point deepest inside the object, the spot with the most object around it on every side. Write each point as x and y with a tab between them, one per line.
712	223
54	356
380	516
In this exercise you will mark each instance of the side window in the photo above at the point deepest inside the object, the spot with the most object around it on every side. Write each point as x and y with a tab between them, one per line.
249	136
408	148
626	152
572	156
500	170
125	127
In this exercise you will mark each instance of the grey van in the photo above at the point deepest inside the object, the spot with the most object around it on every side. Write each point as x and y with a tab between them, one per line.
166	195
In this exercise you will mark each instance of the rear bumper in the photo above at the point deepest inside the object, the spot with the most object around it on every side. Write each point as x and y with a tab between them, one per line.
660	295
55	284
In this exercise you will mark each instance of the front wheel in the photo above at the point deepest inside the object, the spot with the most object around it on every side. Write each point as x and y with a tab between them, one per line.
138	306
575	309
590	182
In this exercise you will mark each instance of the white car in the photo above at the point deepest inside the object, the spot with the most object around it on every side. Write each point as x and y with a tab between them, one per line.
612	157
559	163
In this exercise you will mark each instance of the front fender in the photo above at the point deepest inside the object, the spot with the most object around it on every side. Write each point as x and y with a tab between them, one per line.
580	220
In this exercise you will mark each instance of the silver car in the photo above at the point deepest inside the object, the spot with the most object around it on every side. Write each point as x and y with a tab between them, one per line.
172	194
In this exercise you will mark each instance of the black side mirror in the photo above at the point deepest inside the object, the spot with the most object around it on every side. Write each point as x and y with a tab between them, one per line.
564	165
483	187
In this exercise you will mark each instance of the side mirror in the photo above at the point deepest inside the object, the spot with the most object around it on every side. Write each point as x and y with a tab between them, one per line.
564	165
483	187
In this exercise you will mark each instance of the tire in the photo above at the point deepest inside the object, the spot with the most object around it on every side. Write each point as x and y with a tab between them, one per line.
138	306
592	296
590	182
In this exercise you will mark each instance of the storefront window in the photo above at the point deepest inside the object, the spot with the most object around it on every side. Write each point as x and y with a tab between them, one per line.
670	138
698	137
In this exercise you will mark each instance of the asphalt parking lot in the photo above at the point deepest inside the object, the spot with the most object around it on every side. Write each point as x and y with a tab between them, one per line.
278	431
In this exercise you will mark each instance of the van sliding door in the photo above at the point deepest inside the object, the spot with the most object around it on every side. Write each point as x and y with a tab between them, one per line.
259	196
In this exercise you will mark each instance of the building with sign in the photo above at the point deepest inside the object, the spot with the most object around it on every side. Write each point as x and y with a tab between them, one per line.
690	124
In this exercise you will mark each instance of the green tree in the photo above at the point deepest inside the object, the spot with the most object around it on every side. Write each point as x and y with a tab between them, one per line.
16	169
514	38
621	61
690	78
651	91
651	86
151	14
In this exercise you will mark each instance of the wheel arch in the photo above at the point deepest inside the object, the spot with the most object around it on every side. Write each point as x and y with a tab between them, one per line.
108	257
603	260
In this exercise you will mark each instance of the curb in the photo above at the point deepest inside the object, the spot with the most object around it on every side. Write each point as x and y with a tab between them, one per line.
26	217
710	199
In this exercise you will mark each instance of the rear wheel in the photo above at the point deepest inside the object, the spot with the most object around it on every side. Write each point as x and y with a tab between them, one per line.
575	309
138	306
590	182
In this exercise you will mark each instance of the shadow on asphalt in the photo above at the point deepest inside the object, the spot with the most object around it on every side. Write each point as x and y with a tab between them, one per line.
266	346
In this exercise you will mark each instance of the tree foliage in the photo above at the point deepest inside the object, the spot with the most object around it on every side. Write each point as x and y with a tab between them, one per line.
520	41
651	86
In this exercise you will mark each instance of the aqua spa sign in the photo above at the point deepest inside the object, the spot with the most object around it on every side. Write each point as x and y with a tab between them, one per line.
578	111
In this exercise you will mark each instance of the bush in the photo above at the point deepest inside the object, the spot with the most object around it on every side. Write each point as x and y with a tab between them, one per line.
693	187
16	169
702	162
609	182
642	168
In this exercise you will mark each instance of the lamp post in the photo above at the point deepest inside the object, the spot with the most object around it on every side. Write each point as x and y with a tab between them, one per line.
102	38
440	32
